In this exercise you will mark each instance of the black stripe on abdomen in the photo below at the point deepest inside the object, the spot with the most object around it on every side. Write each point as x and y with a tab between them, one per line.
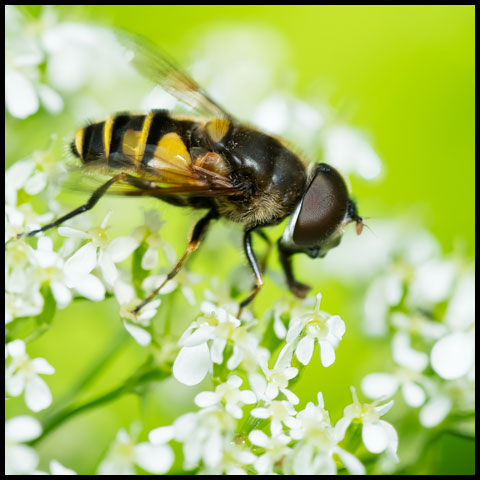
92	148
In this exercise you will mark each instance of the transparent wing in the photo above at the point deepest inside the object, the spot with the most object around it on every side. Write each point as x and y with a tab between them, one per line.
157	66
165	175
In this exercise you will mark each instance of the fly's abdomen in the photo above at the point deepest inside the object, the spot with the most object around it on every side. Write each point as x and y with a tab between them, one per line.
128	140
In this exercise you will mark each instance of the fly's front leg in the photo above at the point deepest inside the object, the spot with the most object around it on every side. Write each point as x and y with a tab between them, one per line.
198	231
252	260
299	289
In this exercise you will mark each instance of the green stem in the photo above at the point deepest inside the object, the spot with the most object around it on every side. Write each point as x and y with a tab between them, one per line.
143	375
66	413
92	372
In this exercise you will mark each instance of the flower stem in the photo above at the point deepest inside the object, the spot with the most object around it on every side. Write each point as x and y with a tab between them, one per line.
146	373
92	372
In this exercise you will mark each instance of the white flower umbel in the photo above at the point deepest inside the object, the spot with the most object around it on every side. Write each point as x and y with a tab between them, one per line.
377	435
315	326
109	253
22	375
229	395
125	453
203	342
19	458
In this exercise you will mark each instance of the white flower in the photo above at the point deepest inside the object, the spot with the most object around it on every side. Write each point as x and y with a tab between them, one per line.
234	461
149	232
21	218
315	326
49	269
432	282
377	435
195	357
275	448
384	385
22	375
317	443
273	381
279	412
60	275
136	325
182	281
109	253
349	151
125	453
21	459
310	420
229	395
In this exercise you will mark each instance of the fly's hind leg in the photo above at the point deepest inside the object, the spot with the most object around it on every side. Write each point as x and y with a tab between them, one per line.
95	197
198	231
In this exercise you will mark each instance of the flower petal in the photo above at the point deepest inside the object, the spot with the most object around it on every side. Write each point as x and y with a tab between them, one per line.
20	96
327	353
453	355
40	365
413	394
121	248
259	438
376	385
206	399
192	364
22	429
374	437
83	261
37	394
304	349
154	459
89	286
435	411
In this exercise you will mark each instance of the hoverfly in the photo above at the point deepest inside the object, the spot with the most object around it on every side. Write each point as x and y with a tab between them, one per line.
215	163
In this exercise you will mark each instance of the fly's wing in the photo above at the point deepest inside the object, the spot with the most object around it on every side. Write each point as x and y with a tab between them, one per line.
158	67
170	172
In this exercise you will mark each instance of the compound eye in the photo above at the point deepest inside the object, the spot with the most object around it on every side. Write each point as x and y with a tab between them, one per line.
323	207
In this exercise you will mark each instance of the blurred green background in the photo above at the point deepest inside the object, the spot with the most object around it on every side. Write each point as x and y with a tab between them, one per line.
405	76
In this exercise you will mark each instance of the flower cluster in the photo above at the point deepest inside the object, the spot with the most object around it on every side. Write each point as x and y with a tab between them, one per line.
429	304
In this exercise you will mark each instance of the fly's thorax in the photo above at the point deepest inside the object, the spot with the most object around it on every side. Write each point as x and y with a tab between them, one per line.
272	176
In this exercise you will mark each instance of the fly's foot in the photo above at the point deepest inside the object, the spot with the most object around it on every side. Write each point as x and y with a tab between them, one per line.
299	289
